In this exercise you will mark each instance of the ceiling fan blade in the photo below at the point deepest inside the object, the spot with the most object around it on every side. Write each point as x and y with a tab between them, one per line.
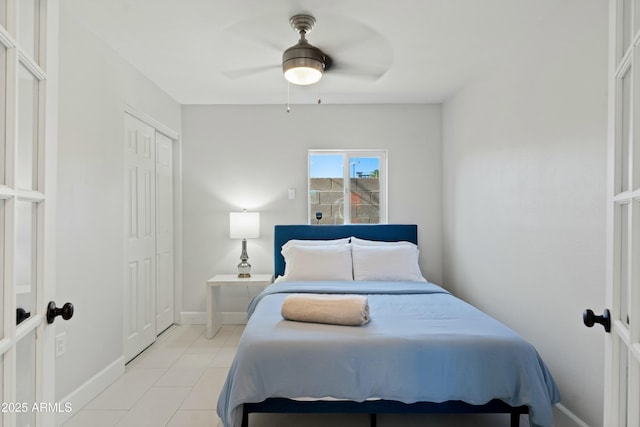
362	42
369	75
260	33
264	42
356	69
240	73
357	50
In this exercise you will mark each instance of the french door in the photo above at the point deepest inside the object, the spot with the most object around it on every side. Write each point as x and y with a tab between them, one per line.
28	66
622	357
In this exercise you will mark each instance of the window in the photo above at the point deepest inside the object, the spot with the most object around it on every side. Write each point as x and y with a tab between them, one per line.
357	176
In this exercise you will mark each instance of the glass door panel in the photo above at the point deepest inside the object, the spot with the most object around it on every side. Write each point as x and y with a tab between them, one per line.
633	296
623	262
622	145
634	303
624	30
632	99
633	398
29	27
26	172
623	383
25	267
2	398
636	19
3	13
626	23
3	95
2	251
26	380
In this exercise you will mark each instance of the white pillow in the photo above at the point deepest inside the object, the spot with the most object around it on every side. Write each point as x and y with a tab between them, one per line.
363	242
324	262
386	263
295	242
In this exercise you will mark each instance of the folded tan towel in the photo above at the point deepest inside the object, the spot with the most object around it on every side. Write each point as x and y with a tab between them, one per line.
350	310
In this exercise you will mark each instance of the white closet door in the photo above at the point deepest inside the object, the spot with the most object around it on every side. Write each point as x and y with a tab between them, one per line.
140	246
164	232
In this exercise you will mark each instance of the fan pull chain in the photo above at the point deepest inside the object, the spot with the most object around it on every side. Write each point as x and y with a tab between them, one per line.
288	96
319	99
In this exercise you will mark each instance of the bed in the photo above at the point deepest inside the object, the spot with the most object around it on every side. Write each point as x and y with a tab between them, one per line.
423	350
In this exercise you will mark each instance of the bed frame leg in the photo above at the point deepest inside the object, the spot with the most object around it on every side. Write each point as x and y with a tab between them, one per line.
373	420
515	419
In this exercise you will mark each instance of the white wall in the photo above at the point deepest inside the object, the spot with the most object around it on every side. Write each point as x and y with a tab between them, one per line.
95	86
249	156
524	197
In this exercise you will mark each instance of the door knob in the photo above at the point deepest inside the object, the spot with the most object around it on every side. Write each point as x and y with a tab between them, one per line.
21	315
52	311
590	319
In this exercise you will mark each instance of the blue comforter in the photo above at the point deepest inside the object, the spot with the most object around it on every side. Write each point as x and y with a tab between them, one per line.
422	344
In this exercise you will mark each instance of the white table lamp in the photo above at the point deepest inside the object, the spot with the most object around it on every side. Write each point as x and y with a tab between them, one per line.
244	225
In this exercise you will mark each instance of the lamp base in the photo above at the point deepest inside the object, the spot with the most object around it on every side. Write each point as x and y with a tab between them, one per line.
244	268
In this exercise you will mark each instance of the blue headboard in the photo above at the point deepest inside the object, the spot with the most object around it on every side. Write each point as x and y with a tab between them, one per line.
382	232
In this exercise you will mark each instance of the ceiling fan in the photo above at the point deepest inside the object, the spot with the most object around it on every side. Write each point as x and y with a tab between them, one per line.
365	56
303	64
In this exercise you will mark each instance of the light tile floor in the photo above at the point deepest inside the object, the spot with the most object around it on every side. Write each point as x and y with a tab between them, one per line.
176	382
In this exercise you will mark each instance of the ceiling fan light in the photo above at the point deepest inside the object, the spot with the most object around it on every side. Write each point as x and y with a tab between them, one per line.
303	64
303	74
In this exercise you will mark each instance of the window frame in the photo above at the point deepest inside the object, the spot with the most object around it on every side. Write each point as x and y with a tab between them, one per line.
348	154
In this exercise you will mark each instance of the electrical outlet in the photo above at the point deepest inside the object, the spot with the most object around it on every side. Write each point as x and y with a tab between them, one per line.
61	344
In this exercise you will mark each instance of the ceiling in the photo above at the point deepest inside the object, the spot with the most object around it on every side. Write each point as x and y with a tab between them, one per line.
401	51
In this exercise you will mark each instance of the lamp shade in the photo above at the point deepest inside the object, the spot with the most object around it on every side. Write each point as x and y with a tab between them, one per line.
244	225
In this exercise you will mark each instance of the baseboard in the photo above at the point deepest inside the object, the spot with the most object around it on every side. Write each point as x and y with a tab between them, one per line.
200	318
90	389
193	318
563	417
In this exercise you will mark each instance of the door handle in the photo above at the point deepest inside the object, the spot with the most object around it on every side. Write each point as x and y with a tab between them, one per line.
52	311
590	319
21	315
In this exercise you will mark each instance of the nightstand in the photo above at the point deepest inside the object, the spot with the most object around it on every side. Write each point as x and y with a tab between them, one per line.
214	315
